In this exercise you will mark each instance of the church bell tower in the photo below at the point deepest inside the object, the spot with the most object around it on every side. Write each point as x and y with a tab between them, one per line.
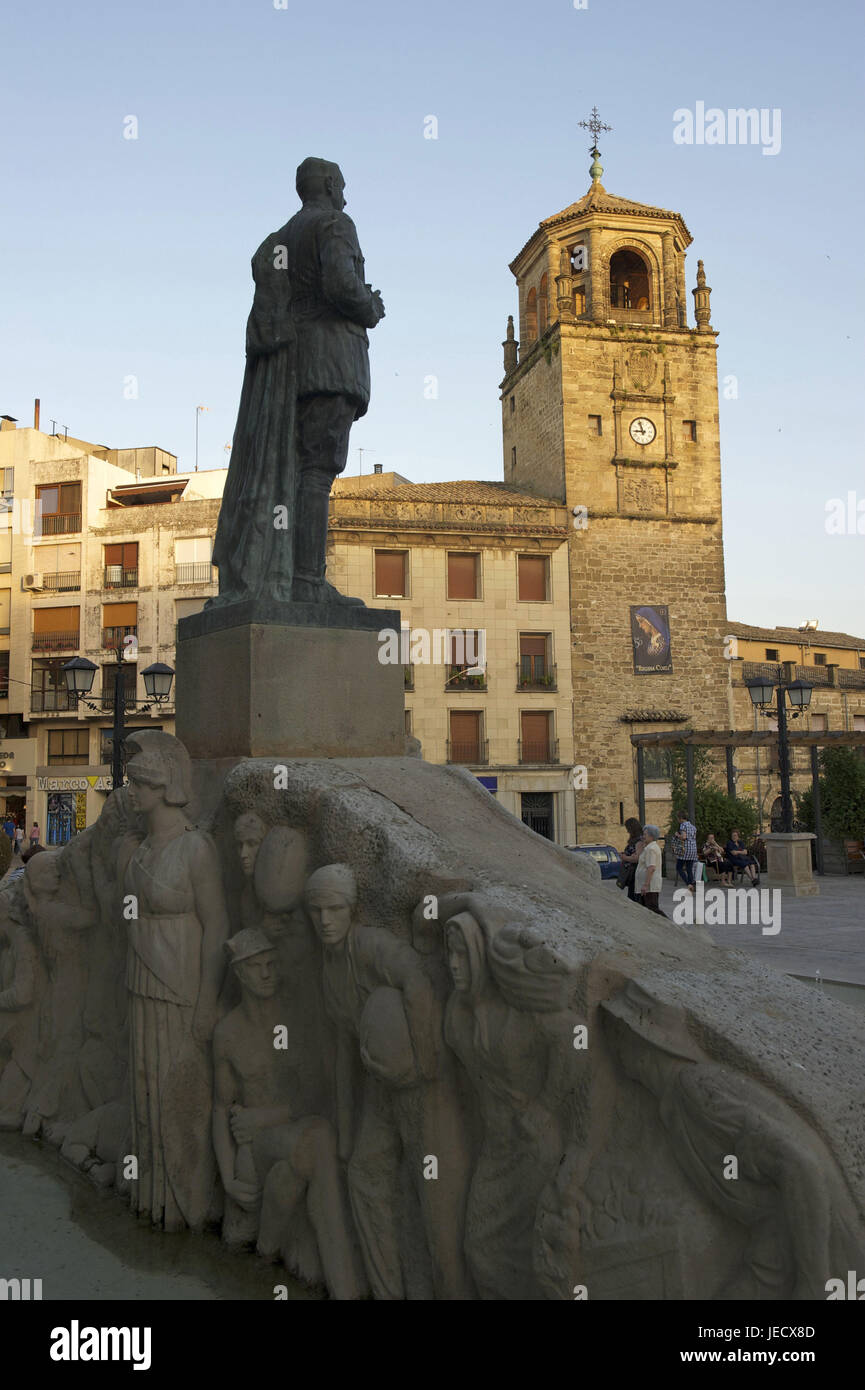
610	403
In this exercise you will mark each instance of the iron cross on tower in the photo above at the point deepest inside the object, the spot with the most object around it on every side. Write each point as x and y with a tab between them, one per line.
595	125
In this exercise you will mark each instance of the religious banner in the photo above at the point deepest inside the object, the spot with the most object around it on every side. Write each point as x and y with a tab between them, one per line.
650	634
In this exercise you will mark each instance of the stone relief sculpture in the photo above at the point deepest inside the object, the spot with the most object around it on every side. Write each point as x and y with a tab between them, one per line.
389	1107
279	1166
371	1068
177	925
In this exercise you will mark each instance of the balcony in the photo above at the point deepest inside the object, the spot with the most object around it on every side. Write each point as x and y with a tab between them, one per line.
538	750
116	577
457	678
129	694
65	582
474	754
56	641
57	524
114	636
52	701
196	572
535	673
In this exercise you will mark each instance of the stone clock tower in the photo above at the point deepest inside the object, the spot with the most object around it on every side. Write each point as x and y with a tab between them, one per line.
610	402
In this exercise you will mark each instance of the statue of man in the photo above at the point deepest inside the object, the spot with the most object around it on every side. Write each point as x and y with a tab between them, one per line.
306	382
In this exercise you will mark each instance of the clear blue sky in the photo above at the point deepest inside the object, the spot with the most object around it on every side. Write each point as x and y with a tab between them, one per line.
131	258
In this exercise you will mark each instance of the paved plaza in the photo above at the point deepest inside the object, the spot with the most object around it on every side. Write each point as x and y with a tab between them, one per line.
824	934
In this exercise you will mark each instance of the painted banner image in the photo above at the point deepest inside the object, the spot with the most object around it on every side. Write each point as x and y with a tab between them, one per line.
650	634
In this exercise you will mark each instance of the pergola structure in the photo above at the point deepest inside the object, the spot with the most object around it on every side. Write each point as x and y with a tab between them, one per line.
711	738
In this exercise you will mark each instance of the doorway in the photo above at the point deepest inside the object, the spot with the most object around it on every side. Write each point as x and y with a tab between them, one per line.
536	810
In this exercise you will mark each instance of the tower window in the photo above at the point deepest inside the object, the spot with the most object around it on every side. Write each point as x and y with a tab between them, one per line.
595	425
513	456
543	307
689	429
629	281
580	300
513	404
532	316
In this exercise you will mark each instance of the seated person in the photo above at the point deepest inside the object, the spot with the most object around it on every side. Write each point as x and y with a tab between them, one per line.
739	858
714	858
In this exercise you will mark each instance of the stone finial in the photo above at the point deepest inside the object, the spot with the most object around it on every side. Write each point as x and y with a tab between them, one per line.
510	346
701	300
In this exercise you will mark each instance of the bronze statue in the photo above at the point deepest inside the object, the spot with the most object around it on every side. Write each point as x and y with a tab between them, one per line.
306	382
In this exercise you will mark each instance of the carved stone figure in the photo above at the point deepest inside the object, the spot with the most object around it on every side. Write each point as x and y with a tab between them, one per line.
392	1105
784	1191
279	1166
177	924
306	382
61	920
21	984
507	1021
274	860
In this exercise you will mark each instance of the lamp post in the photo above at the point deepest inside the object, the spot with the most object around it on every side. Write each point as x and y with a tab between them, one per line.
762	692
79	675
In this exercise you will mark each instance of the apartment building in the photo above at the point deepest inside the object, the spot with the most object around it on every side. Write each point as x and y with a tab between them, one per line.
102	551
479	572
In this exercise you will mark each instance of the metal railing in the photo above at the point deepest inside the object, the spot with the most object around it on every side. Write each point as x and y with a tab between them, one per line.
852	678
815	675
116	577
457	678
129	693
52	701
57	523
113	636
56	641
535	673
63	582
538	750
770	670
196	572
472	754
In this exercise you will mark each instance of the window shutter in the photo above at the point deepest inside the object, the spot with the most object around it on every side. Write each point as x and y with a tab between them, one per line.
462	576
390	570
532	578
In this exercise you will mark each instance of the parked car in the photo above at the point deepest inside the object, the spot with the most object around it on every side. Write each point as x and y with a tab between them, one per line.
607	858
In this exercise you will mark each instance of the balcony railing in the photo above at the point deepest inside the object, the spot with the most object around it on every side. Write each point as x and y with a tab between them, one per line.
538	750
116	577
64	582
55	641
815	675
57	524
473	754
457	678
113	636
52	701
535	673
767	670
852	678
196	572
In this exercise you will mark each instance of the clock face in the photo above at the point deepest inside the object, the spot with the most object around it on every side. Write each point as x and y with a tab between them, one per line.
641	430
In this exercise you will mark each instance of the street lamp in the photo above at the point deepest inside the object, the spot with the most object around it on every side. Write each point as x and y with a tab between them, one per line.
79	675
761	691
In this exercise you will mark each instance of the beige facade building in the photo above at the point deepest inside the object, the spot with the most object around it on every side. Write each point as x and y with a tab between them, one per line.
102	549
479	572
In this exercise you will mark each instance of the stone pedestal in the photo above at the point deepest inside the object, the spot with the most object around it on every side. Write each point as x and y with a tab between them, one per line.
289	680
788	863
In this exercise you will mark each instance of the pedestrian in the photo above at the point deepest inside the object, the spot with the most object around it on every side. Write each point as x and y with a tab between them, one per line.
9	828
35	834
630	855
647	882
19	838
685	844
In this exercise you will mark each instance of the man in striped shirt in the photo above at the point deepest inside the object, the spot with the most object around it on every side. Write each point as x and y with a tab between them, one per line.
685	842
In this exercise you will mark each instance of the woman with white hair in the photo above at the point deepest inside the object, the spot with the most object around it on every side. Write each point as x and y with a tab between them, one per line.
647	881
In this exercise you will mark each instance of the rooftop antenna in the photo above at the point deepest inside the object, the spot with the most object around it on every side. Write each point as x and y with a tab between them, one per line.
360	454
198	410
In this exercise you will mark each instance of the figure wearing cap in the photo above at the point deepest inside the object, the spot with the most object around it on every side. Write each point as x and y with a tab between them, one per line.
279	1166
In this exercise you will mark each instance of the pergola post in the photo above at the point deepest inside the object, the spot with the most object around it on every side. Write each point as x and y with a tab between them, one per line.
815	793
689	773
731	771
641	786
